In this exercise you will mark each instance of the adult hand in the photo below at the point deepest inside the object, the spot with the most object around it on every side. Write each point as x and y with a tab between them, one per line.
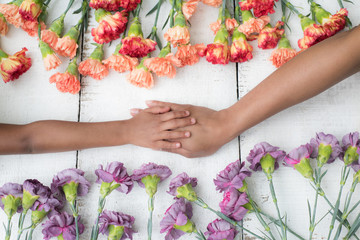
211	131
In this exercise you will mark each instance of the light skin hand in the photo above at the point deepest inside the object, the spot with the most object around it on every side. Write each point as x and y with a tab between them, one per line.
150	128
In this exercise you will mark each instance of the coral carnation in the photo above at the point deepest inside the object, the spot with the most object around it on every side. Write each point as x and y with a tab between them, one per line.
177	35
240	50
270	36
11	67
119	62
336	22
109	5
189	8
230	24
129	5
253	26
66	47
68	81
3	25
163	66
94	68
50	38
281	56
30	9
213	3
141	77
11	13
110	26
189	55
218	53
313	33
32	27
50	59
137	46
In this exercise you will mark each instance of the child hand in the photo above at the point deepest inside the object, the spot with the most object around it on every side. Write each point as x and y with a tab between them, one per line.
154	127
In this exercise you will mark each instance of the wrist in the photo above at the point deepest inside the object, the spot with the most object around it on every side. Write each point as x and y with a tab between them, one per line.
227	123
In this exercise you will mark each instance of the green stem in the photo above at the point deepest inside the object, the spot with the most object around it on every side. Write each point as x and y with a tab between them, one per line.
31	232
199	235
154	28
291	7
202	204
344	175
69	6
21	224
273	195
151	210
259	217
95	229
137	10
223	18
8	229
317	184
172	13
75	215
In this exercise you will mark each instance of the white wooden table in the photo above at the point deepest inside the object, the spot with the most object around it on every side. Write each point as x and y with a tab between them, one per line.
32	98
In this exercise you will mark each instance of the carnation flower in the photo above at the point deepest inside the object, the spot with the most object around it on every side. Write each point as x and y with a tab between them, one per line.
32	27
129	5
149	175
61	226
119	62
313	33
182	186
179	34
10	198
11	67
110	26
189	55
164	64
11	13
30	9
116	225
351	149
269	36
299	159
265	157
252	26
260	7
219	51
326	148
134	45
109	5
140	76
240	50
50	59
331	23
283	53
114	173
213	3
93	65
188	8
3	25
68	81
233	176
176	221
67	45
230	24
51	36
220	229
72	182
233	204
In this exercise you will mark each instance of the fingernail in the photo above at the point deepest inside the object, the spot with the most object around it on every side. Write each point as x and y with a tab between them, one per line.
134	111
193	120
187	113
187	134
178	145
149	102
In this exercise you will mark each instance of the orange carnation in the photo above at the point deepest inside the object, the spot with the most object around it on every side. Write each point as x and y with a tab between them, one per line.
3	25
283	53
50	38
11	13
67	45
189	8
163	65
119	62
51	61
230	24
218	53
188	54
68	81
336	22
11	67
141	77
31	27
313	33
177	35
213	3
240	50
270	36
93	65
253	26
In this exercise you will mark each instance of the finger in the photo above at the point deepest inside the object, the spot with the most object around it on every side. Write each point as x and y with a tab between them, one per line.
174	114
158	109
167	145
135	111
180	151
154	103
168	135
177	123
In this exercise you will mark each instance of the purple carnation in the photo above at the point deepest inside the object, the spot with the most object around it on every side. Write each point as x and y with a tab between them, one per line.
115	172
259	151
62	224
152	169
294	157
233	204
108	218
71	175
179	181
232	176
13	189
326	140
177	214
351	140
220	229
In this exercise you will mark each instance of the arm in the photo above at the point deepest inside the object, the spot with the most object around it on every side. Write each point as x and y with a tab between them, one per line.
305	76
147	129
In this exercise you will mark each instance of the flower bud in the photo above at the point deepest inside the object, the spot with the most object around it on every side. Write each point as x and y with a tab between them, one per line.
186	191
135	29
11	204
150	182
350	155
107	188
28	200
70	190
324	154
305	168
268	164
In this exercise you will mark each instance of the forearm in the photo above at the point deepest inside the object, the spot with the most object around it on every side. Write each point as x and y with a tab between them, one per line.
56	136
305	76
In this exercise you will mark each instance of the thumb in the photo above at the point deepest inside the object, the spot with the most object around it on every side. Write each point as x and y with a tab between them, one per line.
135	111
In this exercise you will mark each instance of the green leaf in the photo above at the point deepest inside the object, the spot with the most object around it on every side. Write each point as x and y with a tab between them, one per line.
309	208
167	20
78	11
158	41
152	10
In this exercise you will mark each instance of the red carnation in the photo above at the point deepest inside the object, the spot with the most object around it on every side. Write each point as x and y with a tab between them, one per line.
270	36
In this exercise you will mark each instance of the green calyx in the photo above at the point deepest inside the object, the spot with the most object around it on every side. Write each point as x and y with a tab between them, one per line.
45	49
70	190
107	188
11	204
357	176
284	43
222	35
141	64
305	169
117	48
320	13
37	217
244	187
305	22
186	191
115	232
267	164
98	53
3	18
28	200
151	183
220	15
135	28
237	35
165	51
57	26
248	206
189	227
100	14
351	155
180	19
246	15
73	33
324	154
17	2
60	237
73	67
3	54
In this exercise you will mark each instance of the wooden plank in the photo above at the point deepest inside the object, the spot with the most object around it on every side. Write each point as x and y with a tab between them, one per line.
111	98
334	111
32	98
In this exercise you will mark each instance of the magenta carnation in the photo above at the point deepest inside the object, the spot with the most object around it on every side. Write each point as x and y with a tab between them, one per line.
294	157
233	204
13	189
179	181
151	169
62	224
220	229
108	218
259	151
322	140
